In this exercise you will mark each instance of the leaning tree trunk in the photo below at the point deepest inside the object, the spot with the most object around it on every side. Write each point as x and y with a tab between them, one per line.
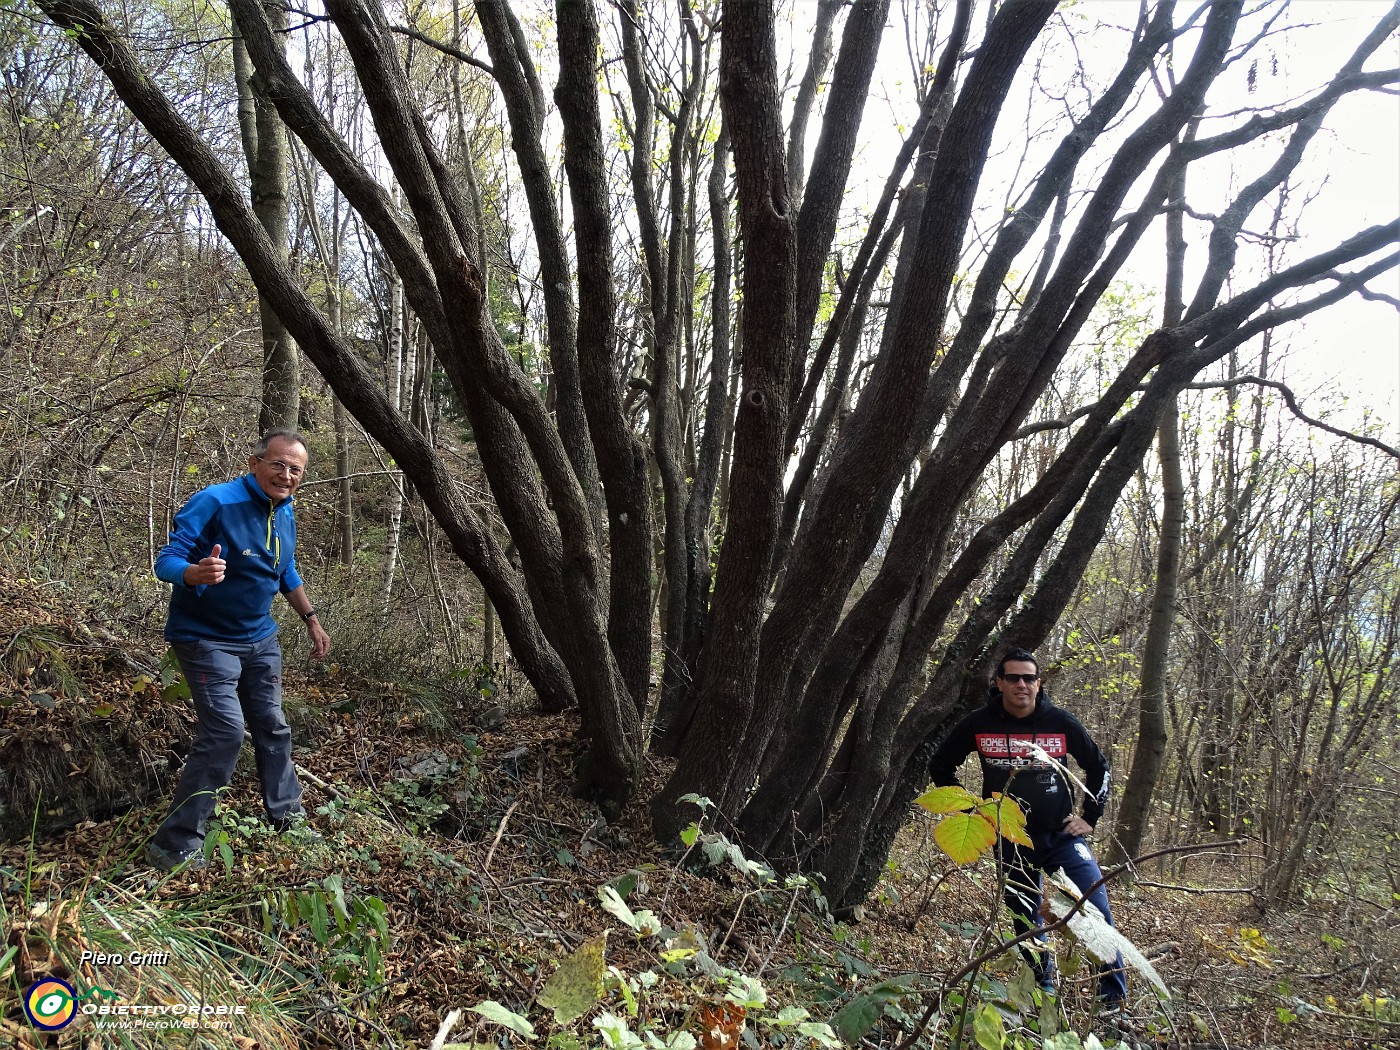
621	456
719	415
665	255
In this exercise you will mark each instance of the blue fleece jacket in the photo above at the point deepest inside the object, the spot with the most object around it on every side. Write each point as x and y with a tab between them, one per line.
258	541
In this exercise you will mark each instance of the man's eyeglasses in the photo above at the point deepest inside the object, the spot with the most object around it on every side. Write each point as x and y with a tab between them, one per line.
283	468
1029	679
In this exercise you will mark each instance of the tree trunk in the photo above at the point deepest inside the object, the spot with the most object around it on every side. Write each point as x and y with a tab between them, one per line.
621	457
831	167
514	71
677	703
265	149
665	255
488	633
345	496
818	58
1150	751
394	352
753	114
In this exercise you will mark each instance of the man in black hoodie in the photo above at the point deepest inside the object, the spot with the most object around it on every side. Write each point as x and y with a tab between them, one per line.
1017	719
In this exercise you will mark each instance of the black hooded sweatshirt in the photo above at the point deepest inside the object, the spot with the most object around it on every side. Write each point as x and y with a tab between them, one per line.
1002	744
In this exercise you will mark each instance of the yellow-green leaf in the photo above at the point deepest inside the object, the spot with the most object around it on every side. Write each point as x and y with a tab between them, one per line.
578	983
494	1011
1008	817
988	1028
950	799
964	836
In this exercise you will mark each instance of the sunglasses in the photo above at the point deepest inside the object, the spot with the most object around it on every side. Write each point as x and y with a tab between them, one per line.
1029	679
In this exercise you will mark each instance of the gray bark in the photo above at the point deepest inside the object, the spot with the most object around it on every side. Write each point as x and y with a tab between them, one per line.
265	150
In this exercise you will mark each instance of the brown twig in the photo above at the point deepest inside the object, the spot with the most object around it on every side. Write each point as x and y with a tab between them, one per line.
1291	400
1251	890
500	830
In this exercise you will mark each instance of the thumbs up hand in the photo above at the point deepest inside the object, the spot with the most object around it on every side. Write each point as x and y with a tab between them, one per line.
208	570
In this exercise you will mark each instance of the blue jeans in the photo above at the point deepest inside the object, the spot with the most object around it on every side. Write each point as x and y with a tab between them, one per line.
1055	850
231	684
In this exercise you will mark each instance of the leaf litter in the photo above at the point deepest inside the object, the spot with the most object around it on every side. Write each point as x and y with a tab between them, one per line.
489	874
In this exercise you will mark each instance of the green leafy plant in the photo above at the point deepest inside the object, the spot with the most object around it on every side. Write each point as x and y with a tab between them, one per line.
173	686
481	677
415	801
638	1009
37	654
352	930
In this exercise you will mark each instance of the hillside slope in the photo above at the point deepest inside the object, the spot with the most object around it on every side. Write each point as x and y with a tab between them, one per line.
455	868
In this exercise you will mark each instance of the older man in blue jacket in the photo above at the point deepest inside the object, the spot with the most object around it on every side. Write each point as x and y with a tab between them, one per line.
231	552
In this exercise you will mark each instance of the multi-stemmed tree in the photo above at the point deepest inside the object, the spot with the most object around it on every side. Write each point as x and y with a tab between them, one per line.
848	605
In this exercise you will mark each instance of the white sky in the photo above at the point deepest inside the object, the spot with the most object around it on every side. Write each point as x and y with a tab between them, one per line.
1343	363
1355	346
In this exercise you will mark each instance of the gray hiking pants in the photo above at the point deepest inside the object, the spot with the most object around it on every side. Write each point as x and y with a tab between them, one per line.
232	685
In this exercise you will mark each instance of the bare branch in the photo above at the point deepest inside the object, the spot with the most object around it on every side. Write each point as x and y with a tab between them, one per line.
1378	297
446	49
1262	125
1063	423
1318	267
1292	401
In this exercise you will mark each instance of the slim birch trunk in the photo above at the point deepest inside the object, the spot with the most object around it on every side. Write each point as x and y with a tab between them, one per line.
396	478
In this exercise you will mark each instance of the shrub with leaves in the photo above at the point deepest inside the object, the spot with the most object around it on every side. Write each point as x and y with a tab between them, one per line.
970	825
687	1000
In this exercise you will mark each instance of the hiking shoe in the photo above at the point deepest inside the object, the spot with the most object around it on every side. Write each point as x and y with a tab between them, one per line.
1047	987
168	861
1116	1020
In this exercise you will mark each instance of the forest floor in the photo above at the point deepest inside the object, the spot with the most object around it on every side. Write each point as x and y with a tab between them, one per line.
455	868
